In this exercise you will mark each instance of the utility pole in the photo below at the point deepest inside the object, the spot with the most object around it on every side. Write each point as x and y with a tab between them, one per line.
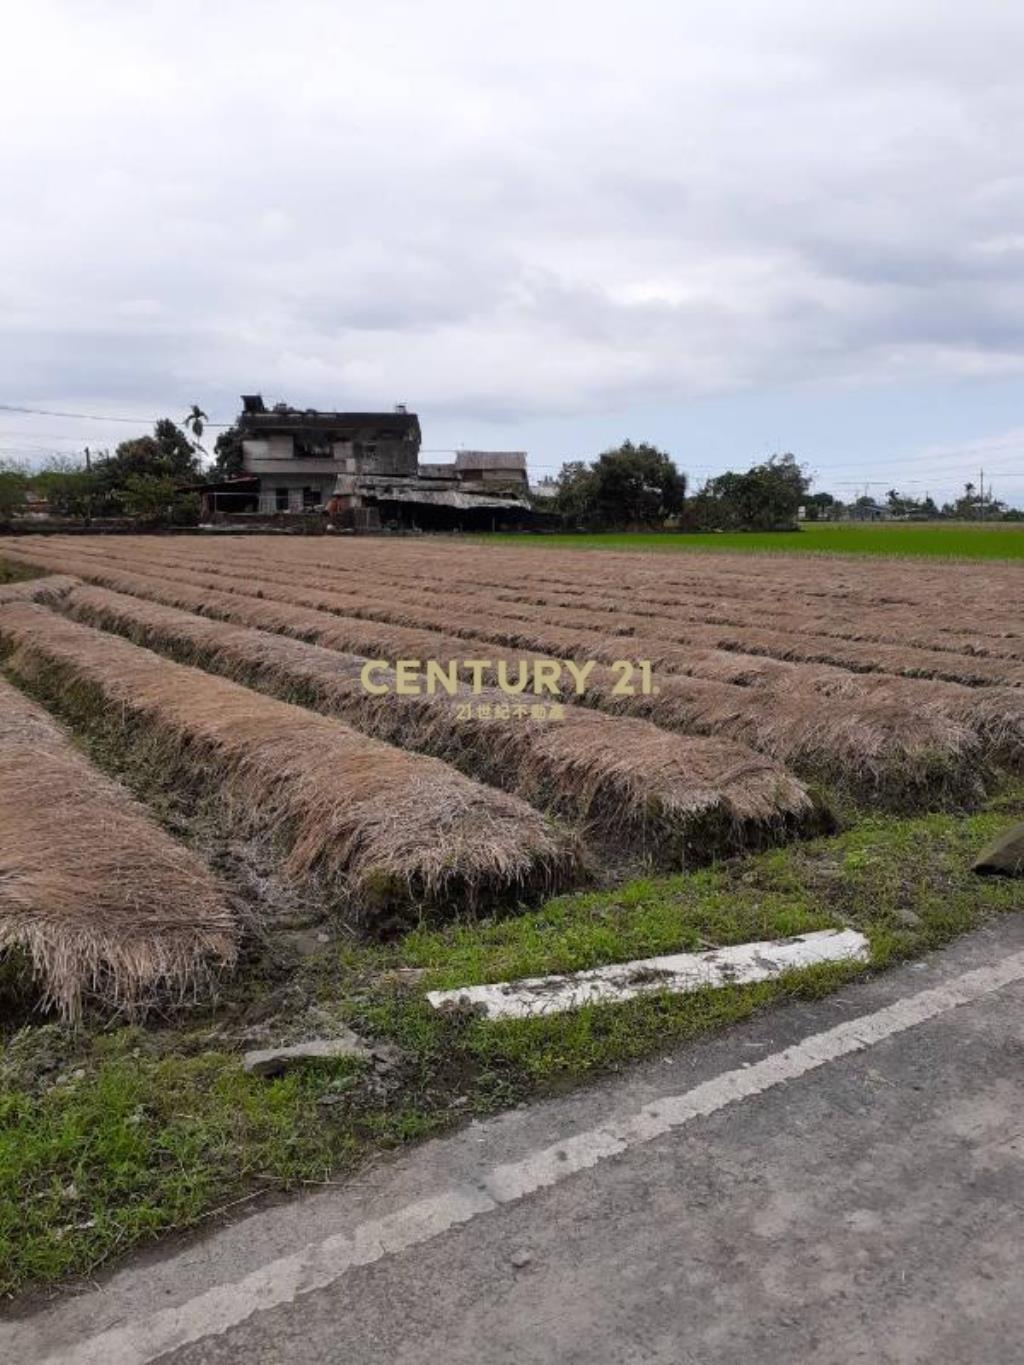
981	495
88	488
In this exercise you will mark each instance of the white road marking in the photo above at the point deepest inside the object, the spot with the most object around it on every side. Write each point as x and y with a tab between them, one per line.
322	1263
678	973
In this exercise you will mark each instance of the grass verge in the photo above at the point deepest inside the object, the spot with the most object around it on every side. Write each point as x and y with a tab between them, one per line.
114	1134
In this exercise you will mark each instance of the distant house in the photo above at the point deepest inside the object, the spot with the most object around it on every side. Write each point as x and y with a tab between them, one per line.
866	509
547	487
363	470
298	454
37	505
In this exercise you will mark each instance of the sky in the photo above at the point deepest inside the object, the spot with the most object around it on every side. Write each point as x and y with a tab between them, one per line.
730	228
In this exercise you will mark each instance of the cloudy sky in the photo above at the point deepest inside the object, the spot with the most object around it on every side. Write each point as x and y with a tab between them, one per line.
728	227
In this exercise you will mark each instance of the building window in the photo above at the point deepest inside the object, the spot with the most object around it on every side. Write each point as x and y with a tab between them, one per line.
310	498
281	499
312	448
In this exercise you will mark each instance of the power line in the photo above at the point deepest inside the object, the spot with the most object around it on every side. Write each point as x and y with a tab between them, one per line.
925	461
14	432
936	469
90	416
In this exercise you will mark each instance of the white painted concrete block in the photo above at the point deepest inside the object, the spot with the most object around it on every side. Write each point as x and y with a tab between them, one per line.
678	973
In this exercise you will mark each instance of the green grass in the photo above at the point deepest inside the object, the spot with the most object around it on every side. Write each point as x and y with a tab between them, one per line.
113	1135
948	540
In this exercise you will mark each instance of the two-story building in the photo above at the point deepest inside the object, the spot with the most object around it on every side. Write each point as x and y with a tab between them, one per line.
299	454
363	470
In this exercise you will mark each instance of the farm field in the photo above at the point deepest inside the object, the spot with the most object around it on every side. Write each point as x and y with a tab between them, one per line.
557	761
931	539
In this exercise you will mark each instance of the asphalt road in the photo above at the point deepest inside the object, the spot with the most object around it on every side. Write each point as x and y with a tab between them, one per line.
833	1182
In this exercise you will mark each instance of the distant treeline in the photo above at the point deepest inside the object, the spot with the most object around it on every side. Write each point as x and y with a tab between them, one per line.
641	486
145	478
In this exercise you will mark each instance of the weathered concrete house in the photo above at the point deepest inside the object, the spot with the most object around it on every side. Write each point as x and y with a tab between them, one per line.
363	470
298	455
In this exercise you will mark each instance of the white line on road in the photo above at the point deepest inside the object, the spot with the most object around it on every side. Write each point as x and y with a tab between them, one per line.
677	973
322	1263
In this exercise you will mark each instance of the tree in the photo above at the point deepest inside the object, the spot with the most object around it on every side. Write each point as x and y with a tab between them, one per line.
821	507
976	506
227	453
575	496
167	454
194	422
766	498
68	486
637	485
147	496
631	485
14	484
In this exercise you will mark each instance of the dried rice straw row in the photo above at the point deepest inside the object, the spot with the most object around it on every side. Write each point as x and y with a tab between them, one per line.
676	797
382	829
789	644
798	648
726	576
753	654
902	626
102	901
615	597
898	720
36	589
896	738
891	739
874	742
415	606
300	623
744	670
938	606
860	580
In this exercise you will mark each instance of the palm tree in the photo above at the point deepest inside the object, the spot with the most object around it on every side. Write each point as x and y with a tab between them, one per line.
194	423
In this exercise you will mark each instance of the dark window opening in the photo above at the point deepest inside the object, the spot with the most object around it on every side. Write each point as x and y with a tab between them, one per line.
313	448
281	499
310	498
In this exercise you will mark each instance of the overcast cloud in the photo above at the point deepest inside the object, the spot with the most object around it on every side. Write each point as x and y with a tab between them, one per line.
729	227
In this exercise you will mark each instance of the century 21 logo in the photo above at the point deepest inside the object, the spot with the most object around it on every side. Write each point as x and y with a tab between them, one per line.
536	677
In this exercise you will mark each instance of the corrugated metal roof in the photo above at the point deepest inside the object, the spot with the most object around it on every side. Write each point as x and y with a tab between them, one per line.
463	501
